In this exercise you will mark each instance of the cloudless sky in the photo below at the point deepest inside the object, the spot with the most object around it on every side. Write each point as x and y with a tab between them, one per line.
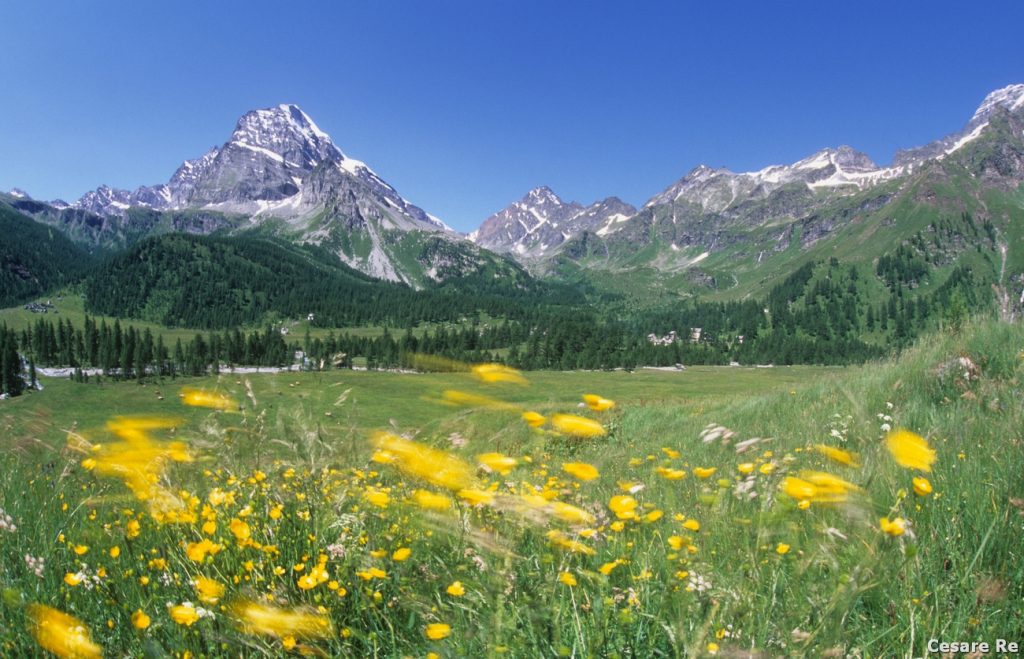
464	106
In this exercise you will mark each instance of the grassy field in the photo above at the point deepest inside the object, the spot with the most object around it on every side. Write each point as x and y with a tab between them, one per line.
700	522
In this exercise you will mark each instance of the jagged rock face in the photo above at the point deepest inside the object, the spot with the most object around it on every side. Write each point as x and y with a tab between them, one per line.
541	221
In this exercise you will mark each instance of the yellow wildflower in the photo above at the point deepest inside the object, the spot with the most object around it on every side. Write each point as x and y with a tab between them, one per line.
567	578
431	501
476	497
456	589
61	634
581	470
704	472
570	424
745	468
922	487
839	455
256	618
497	462
201	398
184	614
433	466
623	506
209	590
671	474
894	527
691	525
73	578
533	419
240	530
378	498
781	548
437	631
140	620
401	554
910	450
491	373
597	403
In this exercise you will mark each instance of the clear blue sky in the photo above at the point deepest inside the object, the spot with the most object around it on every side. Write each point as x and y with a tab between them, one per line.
464	106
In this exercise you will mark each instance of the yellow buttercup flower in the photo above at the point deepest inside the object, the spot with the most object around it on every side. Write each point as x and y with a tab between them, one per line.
184	614
437	631
140	620
922	487
401	554
597	403
456	589
240	530
745	468
781	548
691	525
567	578
73	578
581	470
210	590
570	424
671	474
704	472
62	634
910	450
818	487
623	506
894	527
839	455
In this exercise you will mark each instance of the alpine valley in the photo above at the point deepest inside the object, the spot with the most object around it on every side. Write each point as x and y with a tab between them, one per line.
832	258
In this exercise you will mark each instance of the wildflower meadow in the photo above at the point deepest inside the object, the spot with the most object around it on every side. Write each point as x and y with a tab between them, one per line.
860	514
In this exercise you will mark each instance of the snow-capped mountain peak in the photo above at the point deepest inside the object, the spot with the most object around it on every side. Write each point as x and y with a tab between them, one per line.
1010	97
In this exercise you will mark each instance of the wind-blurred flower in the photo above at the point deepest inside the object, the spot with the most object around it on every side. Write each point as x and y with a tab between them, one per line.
570	424
567	579
597	403
581	470
910	450
431	500
211	399
534	420
262	619
437	631
817	487
61	634
401	554
704	472
497	462
839	455
491	373
430	465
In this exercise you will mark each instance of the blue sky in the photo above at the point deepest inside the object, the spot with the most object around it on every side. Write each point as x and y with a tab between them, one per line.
464	106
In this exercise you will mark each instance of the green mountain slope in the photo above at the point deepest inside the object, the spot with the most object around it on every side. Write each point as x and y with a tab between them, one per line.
35	259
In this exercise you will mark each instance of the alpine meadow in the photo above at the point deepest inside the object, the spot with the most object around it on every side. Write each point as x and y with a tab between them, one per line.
272	407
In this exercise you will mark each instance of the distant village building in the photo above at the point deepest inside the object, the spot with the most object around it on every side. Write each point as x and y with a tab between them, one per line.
695	334
666	340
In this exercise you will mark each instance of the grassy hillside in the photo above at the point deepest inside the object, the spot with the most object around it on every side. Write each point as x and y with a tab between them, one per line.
707	562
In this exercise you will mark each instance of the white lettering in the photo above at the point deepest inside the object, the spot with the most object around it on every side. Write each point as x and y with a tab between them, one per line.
933	645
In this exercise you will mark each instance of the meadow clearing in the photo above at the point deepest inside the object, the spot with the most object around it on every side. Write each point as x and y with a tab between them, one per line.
733	512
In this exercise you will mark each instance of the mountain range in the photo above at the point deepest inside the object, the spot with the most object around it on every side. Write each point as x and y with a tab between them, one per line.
713	231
